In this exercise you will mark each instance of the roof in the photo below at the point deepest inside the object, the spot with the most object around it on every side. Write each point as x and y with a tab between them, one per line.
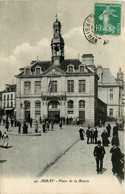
107	77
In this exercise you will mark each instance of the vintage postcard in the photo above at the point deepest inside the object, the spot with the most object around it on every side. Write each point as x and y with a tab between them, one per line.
62	96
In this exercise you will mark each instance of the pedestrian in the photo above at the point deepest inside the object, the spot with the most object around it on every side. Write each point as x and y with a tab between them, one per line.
88	134
92	135
5	140
36	126
60	124
0	134
105	140
115	130
95	135
19	127
7	125
24	127
52	125
108	128
44	127
115	158
81	133
99	153
31	121
115	140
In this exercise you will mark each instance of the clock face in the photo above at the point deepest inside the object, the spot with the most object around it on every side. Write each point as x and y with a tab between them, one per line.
56	62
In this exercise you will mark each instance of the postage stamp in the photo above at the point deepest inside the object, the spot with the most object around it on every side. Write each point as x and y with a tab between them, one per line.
107	19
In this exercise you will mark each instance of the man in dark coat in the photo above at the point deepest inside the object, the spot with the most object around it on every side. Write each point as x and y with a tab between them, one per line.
95	135
81	133
99	153
108	128
115	158
92	135
115	130
105	140
115	141
88	134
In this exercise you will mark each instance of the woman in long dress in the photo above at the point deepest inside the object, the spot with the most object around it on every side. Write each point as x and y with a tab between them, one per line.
5	140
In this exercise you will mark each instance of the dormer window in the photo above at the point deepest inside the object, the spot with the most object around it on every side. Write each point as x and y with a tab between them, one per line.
37	70
70	69
27	71
81	69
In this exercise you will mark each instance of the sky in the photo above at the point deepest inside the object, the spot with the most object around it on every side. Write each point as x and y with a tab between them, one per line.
26	30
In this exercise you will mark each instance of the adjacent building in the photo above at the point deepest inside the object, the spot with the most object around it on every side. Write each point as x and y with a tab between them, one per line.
60	88
111	91
9	100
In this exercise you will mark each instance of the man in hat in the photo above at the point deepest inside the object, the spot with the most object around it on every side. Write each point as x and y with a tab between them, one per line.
99	153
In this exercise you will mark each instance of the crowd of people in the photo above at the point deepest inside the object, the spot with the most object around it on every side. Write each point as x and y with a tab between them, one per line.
91	133
117	157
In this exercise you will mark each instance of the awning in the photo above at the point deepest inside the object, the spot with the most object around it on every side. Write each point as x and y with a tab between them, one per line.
8	109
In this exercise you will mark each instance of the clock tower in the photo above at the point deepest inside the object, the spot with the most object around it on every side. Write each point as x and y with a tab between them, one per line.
57	44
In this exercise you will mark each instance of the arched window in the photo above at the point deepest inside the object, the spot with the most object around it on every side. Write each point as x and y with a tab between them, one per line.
70	104
81	69
70	69
81	104
27	71
70	107
38	70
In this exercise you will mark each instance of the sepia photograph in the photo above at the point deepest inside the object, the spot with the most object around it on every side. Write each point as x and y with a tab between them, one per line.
62	96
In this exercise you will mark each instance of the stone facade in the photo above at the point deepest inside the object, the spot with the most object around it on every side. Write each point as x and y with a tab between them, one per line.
110	91
60	88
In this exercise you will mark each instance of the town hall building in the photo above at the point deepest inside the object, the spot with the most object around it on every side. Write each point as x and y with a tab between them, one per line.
60	88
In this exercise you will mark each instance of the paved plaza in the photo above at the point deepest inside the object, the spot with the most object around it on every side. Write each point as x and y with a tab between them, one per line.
59	155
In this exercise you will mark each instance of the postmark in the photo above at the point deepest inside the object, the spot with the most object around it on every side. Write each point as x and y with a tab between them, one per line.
88	29
107	20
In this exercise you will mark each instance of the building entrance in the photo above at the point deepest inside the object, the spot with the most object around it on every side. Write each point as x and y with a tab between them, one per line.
82	117
54	111
54	115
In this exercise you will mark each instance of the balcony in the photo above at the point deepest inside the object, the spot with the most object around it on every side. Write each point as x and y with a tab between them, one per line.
56	95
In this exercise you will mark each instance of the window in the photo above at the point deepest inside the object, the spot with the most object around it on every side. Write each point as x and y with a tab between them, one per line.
53	86
37	87
27	71
37	109
70	86
81	69
70	104
37	70
111	94
27	87
81	104
81	85
54	104
7	96
4	97
4	104
70	69
11	96
70	107
110	112
7	104
11	103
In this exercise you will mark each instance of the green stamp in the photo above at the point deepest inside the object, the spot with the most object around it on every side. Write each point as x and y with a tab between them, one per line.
107	19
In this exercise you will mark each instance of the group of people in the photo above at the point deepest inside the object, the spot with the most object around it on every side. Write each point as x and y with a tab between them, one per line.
99	150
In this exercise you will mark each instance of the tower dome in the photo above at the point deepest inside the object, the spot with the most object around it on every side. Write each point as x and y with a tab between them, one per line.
57	43
120	74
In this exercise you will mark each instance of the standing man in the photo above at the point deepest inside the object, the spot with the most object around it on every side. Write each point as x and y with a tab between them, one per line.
99	153
88	134
108	128
95	135
115	158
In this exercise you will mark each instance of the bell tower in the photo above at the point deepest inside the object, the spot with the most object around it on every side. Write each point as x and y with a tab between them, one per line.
57	44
